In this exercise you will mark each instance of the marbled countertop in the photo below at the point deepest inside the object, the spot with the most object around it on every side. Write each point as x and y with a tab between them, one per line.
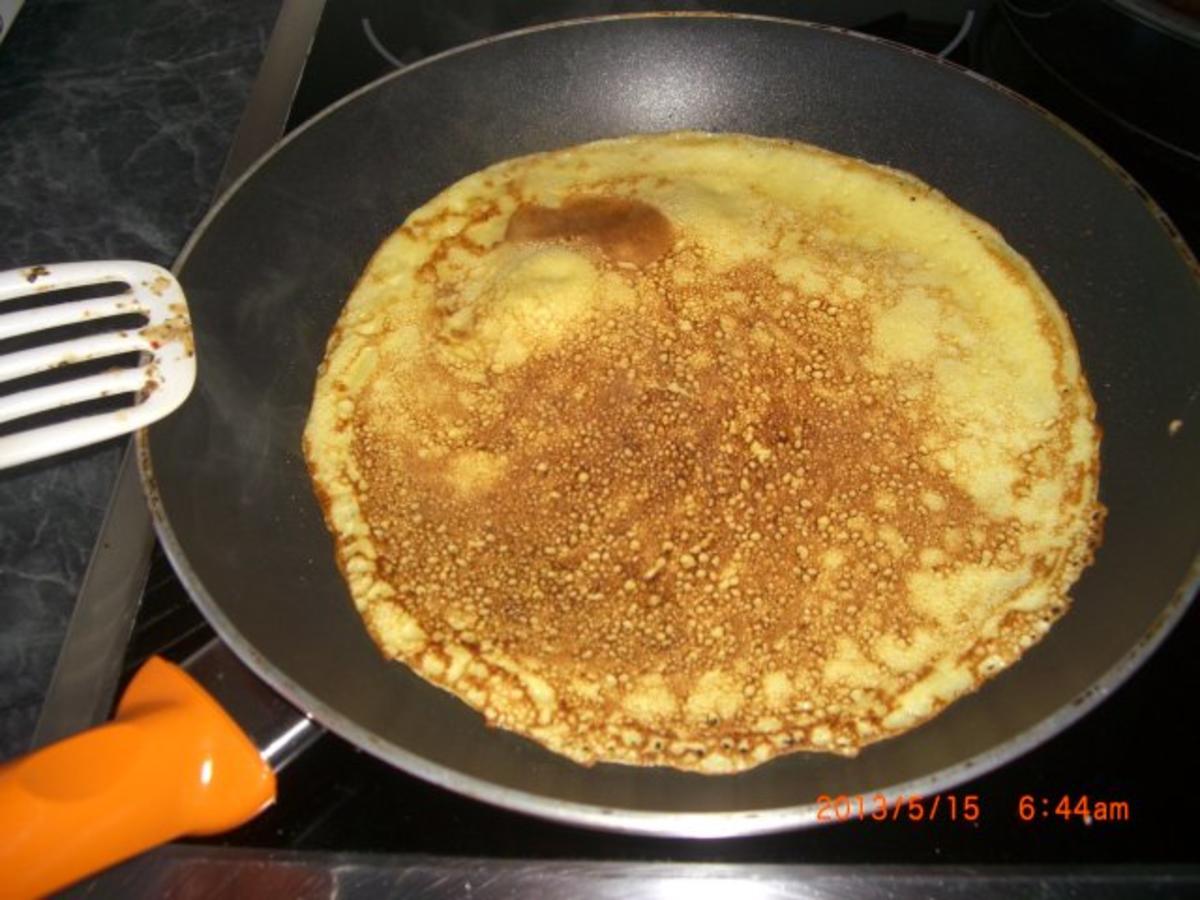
115	118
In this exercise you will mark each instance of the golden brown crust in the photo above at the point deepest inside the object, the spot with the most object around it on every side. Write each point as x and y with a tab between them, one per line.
660	477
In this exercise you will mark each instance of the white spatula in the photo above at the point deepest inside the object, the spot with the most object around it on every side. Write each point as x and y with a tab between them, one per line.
158	382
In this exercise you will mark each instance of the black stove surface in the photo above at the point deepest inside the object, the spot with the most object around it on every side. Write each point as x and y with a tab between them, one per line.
1132	755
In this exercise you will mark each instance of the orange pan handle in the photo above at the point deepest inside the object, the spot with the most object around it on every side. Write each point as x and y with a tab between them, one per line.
171	763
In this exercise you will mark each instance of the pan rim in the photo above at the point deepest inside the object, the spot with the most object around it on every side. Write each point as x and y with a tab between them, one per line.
659	823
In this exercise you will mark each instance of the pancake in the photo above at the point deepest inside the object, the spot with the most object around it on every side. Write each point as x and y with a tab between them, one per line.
694	450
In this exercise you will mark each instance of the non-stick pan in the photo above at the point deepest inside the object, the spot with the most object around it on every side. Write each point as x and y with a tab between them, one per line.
268	270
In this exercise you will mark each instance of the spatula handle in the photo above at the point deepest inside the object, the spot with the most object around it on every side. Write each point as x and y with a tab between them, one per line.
171	763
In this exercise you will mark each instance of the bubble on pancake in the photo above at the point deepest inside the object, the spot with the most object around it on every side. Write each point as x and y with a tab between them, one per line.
695	450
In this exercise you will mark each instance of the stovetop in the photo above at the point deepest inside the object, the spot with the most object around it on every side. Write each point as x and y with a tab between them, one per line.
1134	752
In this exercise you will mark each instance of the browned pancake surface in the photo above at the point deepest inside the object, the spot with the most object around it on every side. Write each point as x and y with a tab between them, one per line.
657	480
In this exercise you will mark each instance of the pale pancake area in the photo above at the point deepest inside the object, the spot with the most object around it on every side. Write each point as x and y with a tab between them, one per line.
694	450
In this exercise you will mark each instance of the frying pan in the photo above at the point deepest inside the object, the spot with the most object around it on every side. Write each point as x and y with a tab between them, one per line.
269	268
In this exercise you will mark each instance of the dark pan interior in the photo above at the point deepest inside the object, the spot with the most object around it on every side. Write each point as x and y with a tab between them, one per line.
268	272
